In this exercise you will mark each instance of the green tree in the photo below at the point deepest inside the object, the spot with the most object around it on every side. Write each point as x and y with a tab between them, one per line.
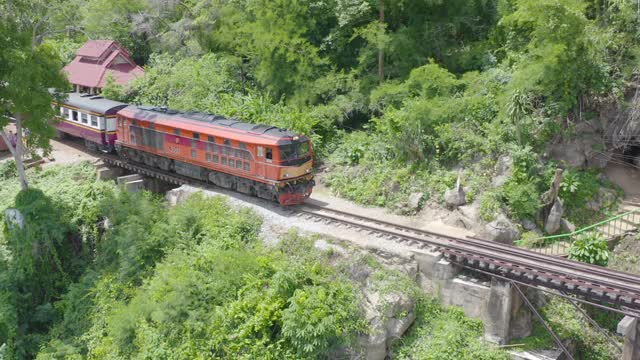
28	69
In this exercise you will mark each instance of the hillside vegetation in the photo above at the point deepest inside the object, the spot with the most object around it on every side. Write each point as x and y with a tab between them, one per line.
398	96
124	276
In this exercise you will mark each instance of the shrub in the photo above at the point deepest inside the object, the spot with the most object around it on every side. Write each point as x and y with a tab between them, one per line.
8	170
590	248
490	205
522	199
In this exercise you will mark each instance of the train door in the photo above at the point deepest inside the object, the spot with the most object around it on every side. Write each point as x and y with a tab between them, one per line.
260	162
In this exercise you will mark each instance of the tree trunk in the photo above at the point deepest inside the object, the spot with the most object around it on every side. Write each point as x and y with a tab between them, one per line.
380	49
17	151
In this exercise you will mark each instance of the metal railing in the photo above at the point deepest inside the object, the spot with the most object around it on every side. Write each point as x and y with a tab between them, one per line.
609	229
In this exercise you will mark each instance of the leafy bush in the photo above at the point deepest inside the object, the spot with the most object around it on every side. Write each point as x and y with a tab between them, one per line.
522	199
8	169
590	248
444	333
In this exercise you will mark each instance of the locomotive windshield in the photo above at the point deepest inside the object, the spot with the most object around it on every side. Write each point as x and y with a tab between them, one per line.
294	151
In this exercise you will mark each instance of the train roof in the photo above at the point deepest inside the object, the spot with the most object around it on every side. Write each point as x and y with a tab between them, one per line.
94	103
210	121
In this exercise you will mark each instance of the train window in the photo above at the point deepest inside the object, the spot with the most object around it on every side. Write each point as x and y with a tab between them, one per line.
194	144
227	142
74	115
134	122
238	164
224	160
247	166
215	159
211	138
224	150
208	157
243	146
193	154
246	155
152	126
238	154
260	151
66	113
231	163
94	121
61	110
196	136
84	118
176	132
269	154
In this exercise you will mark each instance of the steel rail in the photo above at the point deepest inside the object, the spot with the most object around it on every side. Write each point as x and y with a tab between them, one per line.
514	262
557	261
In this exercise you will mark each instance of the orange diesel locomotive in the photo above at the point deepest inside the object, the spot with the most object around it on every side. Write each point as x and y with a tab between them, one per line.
260	160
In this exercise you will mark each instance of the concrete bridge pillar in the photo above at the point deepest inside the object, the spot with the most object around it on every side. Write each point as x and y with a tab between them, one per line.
629	327
506	318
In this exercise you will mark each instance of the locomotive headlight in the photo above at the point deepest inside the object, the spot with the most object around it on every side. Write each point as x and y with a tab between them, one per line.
296	138
286	175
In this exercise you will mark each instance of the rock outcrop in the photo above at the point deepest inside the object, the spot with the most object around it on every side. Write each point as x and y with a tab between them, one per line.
502	230
14	217
554	220
455	197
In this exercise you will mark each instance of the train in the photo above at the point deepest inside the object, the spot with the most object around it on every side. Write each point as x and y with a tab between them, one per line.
254	159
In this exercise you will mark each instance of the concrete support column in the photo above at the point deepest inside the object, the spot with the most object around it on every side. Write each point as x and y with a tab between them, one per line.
499	312
630	329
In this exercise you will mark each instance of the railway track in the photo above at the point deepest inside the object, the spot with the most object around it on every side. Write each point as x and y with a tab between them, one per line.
600	286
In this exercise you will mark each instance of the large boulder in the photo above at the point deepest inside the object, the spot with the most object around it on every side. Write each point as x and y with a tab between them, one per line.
554	219
415	201
502	230
572	153
14	218
455	197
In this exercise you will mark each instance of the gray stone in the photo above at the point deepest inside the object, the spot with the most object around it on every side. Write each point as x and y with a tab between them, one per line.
415	201
502	230
572	154
14	217
567	226
529	225
503	170
456	196
552	225
629	327
598	159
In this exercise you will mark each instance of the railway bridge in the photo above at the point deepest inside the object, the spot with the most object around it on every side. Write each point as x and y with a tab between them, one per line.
517	268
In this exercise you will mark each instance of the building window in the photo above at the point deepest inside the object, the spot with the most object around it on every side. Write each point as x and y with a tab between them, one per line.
176	132
94	121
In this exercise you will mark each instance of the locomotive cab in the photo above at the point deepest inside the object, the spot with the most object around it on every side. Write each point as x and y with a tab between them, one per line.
295	170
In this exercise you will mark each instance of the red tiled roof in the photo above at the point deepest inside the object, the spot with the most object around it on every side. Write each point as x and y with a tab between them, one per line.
91	74
94	48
